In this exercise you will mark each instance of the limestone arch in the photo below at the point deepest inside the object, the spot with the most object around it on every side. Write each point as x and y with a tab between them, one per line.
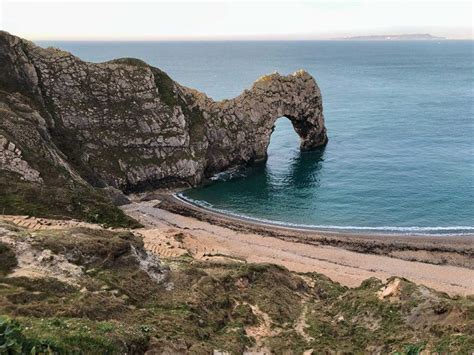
238	130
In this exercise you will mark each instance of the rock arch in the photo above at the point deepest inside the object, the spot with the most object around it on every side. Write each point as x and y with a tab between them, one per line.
239	129
128	125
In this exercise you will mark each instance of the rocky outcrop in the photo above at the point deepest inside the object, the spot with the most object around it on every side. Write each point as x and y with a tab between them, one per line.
43	254
128	125
238	131
11	160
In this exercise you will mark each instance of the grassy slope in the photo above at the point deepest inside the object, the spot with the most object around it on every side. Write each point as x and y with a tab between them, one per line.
81	202
116	307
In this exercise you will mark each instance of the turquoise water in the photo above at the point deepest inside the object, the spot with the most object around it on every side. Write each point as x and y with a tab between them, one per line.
400	120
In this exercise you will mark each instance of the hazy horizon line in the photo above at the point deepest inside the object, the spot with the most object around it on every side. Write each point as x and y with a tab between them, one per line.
256	38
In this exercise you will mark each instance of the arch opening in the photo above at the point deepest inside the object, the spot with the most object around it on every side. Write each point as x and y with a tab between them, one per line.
283	128
286	164
284	143
282	150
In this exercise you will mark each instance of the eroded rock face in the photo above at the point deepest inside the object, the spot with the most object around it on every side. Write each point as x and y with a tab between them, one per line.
128	125
11	160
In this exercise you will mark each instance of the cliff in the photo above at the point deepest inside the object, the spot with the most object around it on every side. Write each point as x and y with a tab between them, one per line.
128	125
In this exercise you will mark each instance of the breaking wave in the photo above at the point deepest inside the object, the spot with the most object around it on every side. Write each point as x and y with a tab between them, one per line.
412	230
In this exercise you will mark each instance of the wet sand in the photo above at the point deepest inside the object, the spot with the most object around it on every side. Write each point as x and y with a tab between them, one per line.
443	263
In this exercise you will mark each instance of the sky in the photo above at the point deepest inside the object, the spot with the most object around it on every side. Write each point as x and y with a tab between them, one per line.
232	20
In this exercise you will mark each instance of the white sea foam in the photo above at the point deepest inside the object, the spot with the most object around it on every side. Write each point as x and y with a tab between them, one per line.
413	230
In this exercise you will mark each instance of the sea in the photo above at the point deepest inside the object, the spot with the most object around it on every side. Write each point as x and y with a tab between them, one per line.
399	117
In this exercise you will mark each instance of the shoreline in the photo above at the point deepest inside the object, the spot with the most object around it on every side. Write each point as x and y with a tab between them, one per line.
453	250
350	230
444	264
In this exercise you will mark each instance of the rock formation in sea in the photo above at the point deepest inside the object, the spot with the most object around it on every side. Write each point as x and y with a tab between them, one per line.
128	125
124	123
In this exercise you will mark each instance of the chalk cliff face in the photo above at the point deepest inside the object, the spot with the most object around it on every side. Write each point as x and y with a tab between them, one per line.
128	125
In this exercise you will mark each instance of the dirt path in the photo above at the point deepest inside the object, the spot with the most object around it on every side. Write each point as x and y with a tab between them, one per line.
35	223
204	240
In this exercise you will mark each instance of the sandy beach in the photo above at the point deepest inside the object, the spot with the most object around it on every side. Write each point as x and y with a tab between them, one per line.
174	227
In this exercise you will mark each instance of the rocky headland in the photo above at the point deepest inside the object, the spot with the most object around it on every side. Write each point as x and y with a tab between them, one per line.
127	125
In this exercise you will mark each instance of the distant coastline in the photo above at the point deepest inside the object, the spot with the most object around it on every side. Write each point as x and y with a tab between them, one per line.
403	37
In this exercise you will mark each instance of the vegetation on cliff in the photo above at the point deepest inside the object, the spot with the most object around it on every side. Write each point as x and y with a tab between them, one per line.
81	202
75	126
98	291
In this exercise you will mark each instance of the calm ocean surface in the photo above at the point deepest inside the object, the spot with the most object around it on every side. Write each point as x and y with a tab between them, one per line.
400	120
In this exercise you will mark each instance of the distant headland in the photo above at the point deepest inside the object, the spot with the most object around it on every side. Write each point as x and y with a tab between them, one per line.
410	37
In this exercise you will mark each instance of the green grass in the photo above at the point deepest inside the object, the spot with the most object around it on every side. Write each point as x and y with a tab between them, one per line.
81	202
116	307
7	259
165	87
29	335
